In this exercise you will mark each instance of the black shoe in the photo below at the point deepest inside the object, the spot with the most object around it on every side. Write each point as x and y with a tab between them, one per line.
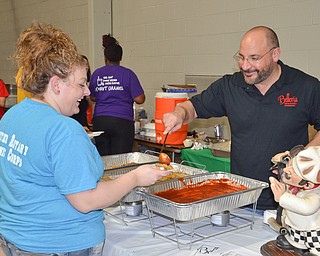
309	254
283	243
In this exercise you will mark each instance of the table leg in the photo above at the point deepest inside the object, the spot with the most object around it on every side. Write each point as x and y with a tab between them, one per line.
135	147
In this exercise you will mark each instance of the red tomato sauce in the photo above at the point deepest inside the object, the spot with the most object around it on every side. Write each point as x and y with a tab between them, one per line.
202	190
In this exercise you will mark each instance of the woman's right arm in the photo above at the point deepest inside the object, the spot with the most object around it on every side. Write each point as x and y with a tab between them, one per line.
108	192
140	99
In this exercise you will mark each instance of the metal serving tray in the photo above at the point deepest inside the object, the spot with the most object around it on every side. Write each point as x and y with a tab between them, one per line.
132	196
119	161
207	207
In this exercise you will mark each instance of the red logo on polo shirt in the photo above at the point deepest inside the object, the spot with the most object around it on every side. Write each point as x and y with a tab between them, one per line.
288	101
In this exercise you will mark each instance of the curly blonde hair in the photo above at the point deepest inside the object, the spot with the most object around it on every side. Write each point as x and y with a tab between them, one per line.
43	51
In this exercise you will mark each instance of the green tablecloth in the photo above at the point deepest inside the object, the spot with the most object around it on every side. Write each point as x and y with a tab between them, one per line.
205	157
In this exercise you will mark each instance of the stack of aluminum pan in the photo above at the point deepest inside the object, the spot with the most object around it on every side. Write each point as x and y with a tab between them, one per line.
139	159
207	207
120	161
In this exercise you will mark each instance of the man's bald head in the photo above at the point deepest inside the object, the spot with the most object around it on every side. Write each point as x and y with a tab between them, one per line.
269	35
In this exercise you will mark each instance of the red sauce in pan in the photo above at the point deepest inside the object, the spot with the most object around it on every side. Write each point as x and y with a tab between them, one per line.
202	190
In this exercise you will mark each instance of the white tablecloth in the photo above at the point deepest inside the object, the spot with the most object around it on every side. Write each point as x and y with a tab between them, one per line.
132	236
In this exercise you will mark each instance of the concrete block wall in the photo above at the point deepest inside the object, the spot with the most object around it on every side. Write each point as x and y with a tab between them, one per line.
16	15
165	41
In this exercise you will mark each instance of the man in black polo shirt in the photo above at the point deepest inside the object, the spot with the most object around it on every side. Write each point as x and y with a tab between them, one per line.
268	104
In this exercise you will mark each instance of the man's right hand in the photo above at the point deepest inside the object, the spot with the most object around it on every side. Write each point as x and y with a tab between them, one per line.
172	122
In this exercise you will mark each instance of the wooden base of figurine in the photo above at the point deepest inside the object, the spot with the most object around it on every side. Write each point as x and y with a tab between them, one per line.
271	249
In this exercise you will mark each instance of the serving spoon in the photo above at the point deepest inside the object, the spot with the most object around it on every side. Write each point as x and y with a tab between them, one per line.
163	157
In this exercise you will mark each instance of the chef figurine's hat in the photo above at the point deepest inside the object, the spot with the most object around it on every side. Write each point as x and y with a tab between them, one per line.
306	164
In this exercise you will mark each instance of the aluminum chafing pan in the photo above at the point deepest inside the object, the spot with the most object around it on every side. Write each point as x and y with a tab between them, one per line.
132	196
191	211
119	161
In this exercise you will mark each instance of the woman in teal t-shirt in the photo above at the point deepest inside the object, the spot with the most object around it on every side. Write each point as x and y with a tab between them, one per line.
50	191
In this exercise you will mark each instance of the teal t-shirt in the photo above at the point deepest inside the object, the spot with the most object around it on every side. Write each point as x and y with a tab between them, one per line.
44	156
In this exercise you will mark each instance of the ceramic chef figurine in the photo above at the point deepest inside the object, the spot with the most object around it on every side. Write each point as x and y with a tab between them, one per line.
298	193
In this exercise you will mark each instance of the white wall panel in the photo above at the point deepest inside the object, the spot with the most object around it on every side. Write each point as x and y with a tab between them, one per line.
166	40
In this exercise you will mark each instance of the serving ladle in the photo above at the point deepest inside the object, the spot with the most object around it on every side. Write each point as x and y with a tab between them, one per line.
163	157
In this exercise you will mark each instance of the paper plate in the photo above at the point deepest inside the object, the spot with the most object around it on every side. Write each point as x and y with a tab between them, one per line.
94	134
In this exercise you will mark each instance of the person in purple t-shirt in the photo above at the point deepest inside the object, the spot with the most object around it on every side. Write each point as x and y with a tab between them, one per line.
114	89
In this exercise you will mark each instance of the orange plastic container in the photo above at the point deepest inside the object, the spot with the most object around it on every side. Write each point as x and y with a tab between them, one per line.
165	103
